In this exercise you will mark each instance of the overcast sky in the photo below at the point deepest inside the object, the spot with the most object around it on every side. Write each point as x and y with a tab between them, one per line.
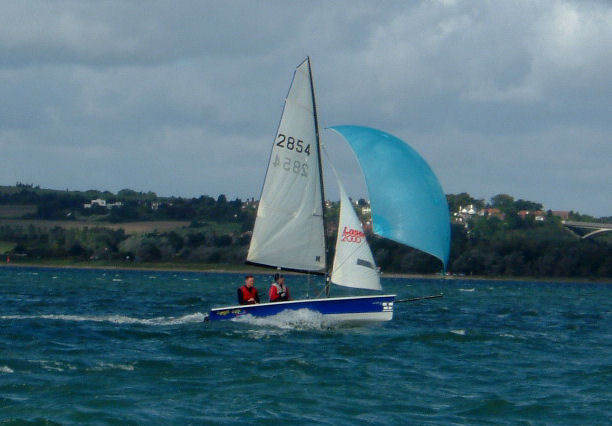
183	98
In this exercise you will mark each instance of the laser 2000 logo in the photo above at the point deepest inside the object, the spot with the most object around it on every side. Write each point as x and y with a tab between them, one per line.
352	235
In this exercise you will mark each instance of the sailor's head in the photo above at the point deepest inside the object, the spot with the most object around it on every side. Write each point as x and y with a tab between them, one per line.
249	280
279	278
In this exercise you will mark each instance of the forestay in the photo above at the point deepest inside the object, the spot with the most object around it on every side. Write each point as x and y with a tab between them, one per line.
288	229
353	263
407	201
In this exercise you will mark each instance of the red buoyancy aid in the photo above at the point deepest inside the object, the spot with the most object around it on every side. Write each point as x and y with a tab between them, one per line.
278	293
248	293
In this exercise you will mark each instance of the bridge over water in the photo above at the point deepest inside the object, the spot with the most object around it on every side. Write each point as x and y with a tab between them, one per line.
591	228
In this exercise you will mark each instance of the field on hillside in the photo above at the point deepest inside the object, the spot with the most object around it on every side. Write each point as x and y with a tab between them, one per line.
128	227
6	246
9	189
142	227
9	211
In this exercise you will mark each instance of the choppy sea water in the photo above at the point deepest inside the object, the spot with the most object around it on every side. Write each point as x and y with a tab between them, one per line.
127	347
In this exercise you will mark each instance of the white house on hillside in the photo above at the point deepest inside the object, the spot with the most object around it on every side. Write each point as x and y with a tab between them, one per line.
102	203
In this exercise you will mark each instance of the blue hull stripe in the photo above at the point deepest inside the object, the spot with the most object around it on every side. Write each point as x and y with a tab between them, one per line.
331	306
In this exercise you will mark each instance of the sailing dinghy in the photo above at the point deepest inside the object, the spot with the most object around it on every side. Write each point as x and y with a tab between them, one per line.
407	202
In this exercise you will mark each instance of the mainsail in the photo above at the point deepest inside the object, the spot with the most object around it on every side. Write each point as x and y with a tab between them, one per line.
289	230
353	262
407	201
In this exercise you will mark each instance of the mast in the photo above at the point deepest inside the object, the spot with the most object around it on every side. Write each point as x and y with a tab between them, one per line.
318	140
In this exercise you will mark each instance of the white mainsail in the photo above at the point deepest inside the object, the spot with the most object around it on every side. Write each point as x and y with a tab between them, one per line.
288	229
354	264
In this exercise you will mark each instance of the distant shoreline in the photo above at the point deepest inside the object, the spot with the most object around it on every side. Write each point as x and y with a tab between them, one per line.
240	269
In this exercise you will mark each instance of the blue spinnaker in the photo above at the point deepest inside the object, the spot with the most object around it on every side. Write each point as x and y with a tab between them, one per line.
407	201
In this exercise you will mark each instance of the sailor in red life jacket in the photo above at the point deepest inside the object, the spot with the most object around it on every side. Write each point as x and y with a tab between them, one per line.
279	291
247	294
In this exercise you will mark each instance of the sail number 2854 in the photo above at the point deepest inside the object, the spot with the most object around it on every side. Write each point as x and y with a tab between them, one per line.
292	144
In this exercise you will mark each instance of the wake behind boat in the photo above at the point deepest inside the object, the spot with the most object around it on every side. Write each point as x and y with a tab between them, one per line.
407	202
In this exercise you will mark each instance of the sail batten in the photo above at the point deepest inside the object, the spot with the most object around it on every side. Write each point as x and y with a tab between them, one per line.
288	230
407	201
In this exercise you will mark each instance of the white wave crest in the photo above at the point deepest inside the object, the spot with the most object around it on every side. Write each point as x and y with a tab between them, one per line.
51	365
458	332
467	289
6	369
290	319
102	366
115	319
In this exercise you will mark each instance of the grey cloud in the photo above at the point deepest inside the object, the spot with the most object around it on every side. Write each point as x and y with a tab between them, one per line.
116	33
184	98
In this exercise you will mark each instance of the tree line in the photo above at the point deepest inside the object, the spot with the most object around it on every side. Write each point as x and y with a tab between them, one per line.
219	232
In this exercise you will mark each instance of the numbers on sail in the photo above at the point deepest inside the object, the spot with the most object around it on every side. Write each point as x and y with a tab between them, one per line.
292	144
292	166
